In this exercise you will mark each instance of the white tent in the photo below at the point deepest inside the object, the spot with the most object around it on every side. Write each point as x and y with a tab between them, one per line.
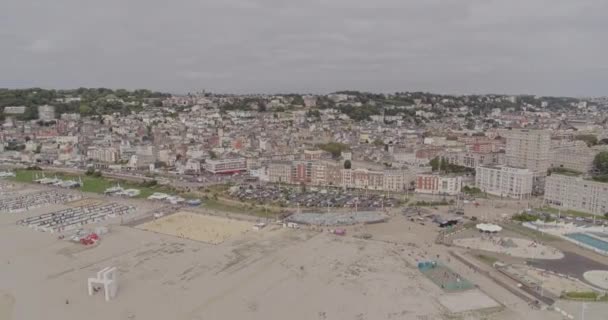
488	227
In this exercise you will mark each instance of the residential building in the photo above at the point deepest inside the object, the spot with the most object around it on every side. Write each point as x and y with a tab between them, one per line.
474	159
528	149
505	181
576	193
316	155
226	165
301	172
46	113
396	180
431	183
108	155
14	109
279	171
331	173
574	155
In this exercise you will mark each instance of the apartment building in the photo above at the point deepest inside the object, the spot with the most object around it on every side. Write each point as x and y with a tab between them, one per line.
108	155
279	171
505	181
367	179
474	159
326	173
332	173
397	180
301	172
528	149
576	193
430	183
226	165
46	112
574	155
316	155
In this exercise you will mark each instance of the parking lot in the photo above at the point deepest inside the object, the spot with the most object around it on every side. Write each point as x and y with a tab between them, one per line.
311	197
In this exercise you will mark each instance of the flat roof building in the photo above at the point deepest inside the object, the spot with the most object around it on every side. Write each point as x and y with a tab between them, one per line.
528	149
438	184
505	181
576	193
226	165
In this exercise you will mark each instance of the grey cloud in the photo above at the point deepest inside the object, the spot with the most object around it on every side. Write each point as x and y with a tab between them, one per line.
456	46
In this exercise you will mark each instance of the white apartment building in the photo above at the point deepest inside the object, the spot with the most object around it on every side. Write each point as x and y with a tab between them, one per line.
576	193
226	165
575	155
474	159
109	155
14	109
528	149
430	183
46	112
505	181
66	139
397	180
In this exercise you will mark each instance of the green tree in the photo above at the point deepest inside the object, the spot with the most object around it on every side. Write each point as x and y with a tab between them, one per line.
84	109
601	162
435	163
443	166
590	139
347	164
313	114
90	172
297	100
335	148
470	124
378	142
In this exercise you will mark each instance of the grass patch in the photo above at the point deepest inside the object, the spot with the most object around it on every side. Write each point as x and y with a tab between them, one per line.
218	188
584	296
573	213
533	234
472	191
470	224
525	217
565	172
93	184
489	260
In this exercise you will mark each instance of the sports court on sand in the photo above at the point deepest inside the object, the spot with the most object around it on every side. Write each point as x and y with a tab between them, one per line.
199	227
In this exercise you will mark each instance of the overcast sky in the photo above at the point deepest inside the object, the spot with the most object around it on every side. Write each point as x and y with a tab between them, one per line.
547	47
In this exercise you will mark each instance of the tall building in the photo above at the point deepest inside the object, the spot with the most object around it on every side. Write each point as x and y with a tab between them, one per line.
505	181
576	193
529	149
